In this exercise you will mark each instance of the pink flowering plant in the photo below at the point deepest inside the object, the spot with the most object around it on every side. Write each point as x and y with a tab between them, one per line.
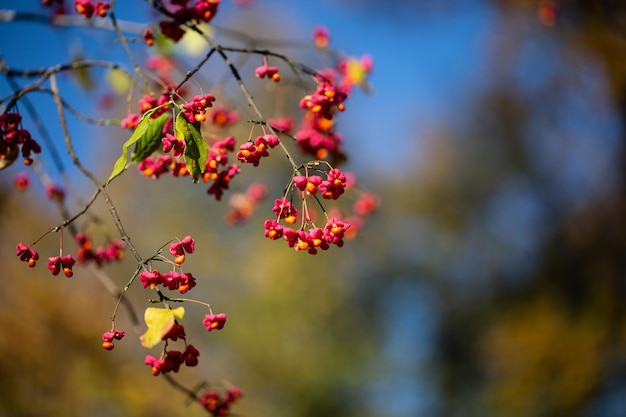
182	126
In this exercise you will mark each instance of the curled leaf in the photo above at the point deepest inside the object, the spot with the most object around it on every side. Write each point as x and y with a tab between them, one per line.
150	141
159	322
196	149
144	133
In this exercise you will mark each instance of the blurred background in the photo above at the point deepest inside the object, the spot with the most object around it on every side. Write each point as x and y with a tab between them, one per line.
490	282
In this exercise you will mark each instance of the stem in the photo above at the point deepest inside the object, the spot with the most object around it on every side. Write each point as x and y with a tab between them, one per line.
121	296
191	394
89	174
124	42
260	122
191	300
76	113
46	72
70	220
191	73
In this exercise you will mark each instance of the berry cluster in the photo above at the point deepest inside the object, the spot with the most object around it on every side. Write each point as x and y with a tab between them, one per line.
21	181
160	104
218	157
310	240
107	338
85	253
12	138
321	37
316	135
131	121
284	124
188	11
55	192
214	321
87	8
196	110
221	116
171	360
283	209
179	248
26	254
334	185
264	71
324	100
171	280
217	404
365	204
55	263
52	2
156	166
242	205
148	36
252	152
330	188
163	67
171	144
309	237
57	6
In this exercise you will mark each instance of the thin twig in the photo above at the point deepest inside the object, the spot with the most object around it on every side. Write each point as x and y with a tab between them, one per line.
68	20
124	42
89	174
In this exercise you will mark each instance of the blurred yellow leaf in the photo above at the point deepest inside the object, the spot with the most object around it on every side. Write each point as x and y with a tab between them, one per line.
355	71
193	44
118	82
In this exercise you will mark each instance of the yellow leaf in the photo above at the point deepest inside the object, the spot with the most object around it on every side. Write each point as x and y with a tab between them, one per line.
159	321
356	72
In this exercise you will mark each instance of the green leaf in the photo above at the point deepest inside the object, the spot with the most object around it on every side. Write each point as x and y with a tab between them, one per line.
196	149
160	322
150	140
138	133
